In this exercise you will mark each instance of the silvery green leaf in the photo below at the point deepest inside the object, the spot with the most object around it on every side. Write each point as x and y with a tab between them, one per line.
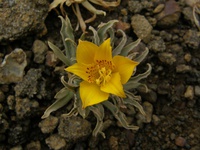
119	115
67	33
133	100
92	9
62	93
58	104
83	112
96	39
141	57
118	49
129	47
133	82
73	111
98	111
103	28
196	17
74	81
131	85
141	76
111	33
59	54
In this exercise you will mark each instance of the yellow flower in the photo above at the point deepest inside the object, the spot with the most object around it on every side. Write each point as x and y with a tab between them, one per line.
102	74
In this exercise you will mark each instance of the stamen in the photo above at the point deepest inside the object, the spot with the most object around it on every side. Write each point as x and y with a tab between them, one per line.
100	72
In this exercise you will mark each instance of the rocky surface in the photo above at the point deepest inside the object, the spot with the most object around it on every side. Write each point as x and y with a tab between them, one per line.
20	18
172	102
12	67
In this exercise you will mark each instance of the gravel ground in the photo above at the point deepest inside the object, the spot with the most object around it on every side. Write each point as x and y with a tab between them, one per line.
172	104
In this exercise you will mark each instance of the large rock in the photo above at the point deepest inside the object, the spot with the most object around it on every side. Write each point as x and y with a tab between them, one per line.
19	18
141	27
12	68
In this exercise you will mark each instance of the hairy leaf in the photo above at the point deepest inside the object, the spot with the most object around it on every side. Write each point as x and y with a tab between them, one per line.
58	103
98	111
103	28
129	47
59	54
67	37
119	115
119	48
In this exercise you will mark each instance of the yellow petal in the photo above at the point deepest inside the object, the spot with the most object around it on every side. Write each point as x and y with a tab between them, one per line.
125	67
91	94
114	86
104	52
79	70
86	52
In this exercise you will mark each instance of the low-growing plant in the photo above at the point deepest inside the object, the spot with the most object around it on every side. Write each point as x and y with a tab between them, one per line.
100	76
87	4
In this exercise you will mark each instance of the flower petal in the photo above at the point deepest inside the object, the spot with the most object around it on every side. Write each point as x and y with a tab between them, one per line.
79	70
125	67
86	52
114	86
91	94
104	52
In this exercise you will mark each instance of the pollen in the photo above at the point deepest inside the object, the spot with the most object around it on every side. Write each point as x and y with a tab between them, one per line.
100	72
104	76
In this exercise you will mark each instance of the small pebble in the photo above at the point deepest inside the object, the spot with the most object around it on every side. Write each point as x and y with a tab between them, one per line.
148	108
49	124
156	120
180	141
197	90
183	68
56	142
188	57
34	145
172	136
189	93
39	50
159	8
124	12
113	143
167	58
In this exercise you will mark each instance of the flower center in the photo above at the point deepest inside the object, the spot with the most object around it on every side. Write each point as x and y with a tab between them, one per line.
104	76
100	72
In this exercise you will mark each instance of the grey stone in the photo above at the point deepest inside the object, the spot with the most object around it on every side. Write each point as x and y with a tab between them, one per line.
189	93
167	58
157	45
34	145
31	85
12	68
25	107
141	27
135	6
21	17
56	142
74	129
170	14
148	108
39	50
49	124
183	68
191	38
